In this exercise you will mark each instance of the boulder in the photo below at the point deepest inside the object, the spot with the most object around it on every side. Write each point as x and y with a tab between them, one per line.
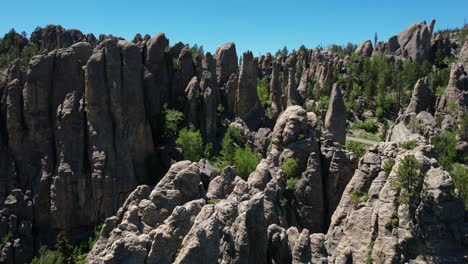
365	49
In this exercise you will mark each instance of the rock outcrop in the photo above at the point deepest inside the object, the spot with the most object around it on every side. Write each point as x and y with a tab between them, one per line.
454	101
413	43
247	98
335	120
365	49
238	220
371	222
422	99
226	62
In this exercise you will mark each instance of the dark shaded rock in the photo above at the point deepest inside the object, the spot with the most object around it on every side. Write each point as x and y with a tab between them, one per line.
247	98
226	62
335	120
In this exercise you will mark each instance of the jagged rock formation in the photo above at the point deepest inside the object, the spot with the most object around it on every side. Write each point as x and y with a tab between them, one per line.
226	62
335	120
454	101
81	128
365	49
246	214
247	98
275	91
422	98
463	57
376	226
414	43
55	36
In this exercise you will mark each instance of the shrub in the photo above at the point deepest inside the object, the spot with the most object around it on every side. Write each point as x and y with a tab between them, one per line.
323	102
459	175
263	92
357	197
393	222
440	90
445	146
289	167
369	125
232	139
220	109
175	64
245	161
291	182
213	201
409	145
6	238
172	122
356	147
66	253
379	113
191	142
409	178
388	166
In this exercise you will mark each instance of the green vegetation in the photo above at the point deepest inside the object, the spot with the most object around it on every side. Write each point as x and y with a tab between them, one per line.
410	179
409	145
245	162
175	64
445	146
197	51
413	124
356	147
384	84
232	140
358	197
15	46
393	222
235	151
65	253
172	122
220	109
290	167
344	50
5	239
213	201
191	142
459	175
263	91
388	166
369	125
291	182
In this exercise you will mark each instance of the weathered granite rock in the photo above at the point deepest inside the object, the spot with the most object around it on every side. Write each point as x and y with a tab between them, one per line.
365	49
292	97
192	110
335	120
422	98
454	101
463	57
377	226
226	62
209	115
247	97
276	91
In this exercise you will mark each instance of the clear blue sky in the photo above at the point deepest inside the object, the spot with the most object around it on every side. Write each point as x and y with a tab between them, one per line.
256	25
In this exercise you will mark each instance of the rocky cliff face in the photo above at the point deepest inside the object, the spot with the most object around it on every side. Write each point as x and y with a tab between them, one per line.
80	129
233	221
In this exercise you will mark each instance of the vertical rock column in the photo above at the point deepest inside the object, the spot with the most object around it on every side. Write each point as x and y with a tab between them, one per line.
247	97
